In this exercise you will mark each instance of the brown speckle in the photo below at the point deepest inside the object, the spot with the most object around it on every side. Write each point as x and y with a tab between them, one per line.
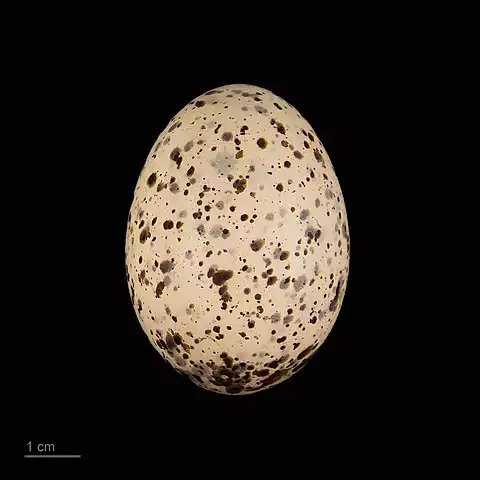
297	154
200	103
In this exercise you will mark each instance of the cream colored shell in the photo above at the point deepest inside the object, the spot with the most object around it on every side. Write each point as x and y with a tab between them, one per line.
237	246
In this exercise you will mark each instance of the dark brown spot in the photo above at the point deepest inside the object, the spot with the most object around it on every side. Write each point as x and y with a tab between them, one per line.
244	217
281	339
256	245
305	352
284	255
262	143
272	280
277	105
152	180
166	266
286	164
190	171
280	128
220	277
168	224
175	153
239	154
200	103
239	185
145	233
336	298
170	341
228	361
159	289
280	187
234	388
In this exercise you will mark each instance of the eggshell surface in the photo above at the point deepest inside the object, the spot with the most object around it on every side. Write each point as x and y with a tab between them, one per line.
237	244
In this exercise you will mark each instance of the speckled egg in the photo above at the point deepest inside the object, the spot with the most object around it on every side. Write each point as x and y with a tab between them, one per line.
237	245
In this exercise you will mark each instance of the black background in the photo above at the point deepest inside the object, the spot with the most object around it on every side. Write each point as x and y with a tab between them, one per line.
93	383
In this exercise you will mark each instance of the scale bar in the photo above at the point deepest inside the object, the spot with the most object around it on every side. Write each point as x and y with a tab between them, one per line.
52	456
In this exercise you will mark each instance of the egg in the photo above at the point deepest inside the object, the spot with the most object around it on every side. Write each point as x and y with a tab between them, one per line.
237	244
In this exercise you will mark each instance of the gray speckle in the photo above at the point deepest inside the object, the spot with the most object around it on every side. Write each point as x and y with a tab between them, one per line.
304	214
275	317
216	231
299	283
224	162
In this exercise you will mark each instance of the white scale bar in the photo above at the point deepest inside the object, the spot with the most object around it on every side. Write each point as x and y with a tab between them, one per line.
52	456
